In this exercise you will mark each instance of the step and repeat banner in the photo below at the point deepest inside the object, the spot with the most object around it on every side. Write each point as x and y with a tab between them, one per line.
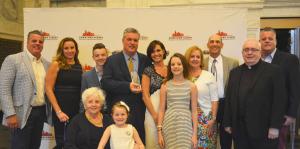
177	28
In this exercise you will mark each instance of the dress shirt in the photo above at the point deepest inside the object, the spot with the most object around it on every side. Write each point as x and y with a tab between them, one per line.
39	75
219	67
135	61
99	74
269	57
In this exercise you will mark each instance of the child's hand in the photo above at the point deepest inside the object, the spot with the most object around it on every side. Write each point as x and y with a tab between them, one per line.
194	141
161	141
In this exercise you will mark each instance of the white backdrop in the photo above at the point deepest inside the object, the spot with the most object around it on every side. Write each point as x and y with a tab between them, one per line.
177	28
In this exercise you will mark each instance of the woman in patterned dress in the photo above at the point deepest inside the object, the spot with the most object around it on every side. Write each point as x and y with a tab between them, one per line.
151	81
207	99
177	118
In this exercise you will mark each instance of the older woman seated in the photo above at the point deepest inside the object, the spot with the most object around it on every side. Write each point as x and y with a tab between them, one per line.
86	129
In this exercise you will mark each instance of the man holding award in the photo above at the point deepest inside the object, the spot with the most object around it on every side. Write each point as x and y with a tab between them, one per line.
121	79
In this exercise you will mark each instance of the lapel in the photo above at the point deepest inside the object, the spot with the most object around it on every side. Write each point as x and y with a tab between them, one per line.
123	66
94	76
277	58
28	64
225	70
205	63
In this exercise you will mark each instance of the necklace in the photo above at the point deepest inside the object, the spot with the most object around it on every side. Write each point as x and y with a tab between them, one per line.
95	121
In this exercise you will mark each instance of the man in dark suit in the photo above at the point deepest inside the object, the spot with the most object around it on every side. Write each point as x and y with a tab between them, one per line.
22	94
255	101
223	65
121	79
93	77
290	65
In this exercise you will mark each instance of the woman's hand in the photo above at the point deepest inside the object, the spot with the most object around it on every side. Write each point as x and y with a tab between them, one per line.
161	141
210	125
62	116
194	141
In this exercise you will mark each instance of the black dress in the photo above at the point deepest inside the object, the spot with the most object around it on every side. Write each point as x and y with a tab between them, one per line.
82	134
67	91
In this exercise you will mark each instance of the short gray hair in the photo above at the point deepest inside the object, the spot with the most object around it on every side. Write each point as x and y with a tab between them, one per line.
130	30
37	32
93	91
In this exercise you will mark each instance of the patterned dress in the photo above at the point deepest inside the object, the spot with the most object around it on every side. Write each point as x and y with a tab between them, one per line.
208	92
150	127
177	124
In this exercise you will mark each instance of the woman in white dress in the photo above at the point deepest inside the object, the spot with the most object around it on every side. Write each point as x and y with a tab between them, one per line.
207	99
152	79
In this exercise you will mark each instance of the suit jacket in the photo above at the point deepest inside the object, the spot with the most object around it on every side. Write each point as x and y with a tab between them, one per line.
290	65
228	65
90	79
116	79
264	104
18	87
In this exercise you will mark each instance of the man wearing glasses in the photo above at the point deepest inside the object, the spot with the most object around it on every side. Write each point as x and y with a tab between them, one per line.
255	101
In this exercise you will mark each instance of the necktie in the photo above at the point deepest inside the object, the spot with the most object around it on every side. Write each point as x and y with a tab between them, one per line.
130	64
213	68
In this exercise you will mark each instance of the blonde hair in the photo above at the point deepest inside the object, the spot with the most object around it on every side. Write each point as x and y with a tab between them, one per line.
188	53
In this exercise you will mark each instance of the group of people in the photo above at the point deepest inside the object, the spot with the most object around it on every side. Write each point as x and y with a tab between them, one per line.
135	101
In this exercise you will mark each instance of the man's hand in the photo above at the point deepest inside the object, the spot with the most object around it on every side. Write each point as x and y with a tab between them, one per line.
273	133
228	130
135	88
12	122
289	120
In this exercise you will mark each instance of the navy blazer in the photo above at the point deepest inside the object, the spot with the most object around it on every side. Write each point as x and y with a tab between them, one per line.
116	80
290	65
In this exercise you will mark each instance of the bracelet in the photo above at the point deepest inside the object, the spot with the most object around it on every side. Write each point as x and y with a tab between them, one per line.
214	118
159	126
58	112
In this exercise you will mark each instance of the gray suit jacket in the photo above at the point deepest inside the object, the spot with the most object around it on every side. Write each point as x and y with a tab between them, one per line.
18	87
89	79
228	65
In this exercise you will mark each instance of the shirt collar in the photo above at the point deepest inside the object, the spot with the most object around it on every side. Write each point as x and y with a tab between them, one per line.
32	58
134	57
219	58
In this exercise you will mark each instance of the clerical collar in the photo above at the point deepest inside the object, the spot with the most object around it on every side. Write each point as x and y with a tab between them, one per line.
253	67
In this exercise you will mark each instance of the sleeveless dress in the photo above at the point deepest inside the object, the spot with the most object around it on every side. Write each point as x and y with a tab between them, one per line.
177	124
67	91
150	126
121	138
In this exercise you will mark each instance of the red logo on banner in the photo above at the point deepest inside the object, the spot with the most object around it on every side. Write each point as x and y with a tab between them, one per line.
88	35
48	36
47	135
87	67
179	36
225	36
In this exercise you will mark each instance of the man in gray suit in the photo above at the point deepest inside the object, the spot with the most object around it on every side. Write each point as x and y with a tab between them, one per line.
93	77
220	66
22	95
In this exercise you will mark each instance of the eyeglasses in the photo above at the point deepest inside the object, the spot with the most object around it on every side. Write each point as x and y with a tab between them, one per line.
251	49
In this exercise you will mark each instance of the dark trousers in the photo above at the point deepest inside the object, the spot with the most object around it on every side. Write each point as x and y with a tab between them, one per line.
225	138
243	141
30	136
59	131
137	118
283	133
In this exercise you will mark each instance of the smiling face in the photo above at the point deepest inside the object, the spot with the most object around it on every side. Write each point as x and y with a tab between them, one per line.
130	43
195	59
251	52
69	50
35	44
100	56
92	105
119	115
157	54
215	45
176	66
